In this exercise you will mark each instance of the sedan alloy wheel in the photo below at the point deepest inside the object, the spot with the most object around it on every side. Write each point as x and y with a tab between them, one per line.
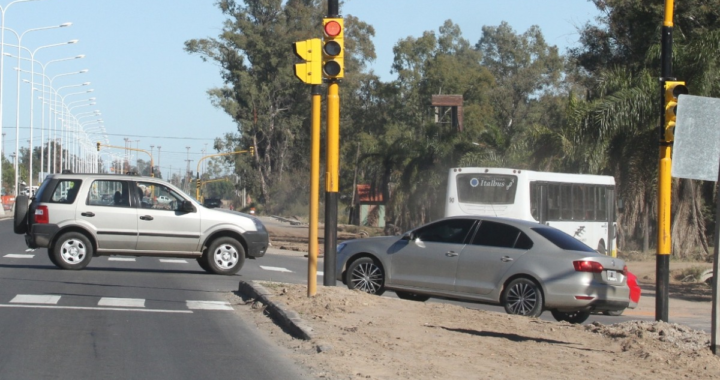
366	275
522	296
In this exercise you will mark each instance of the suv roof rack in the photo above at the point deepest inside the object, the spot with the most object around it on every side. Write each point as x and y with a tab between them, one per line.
67	171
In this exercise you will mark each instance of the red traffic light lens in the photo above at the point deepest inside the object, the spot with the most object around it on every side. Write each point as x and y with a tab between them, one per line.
333	28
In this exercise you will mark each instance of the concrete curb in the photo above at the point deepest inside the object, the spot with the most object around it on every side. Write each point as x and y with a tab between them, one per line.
286	318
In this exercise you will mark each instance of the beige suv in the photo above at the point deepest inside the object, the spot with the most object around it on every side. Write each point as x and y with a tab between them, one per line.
78	216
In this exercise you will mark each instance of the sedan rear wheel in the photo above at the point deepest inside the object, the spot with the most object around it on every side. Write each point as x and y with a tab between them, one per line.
366	275
614	313
572	316
523	296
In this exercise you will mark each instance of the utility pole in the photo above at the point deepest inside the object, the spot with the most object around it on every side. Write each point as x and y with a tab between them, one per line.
158	162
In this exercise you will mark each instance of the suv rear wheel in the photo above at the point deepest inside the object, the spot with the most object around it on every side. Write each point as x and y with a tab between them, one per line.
225	256
72	250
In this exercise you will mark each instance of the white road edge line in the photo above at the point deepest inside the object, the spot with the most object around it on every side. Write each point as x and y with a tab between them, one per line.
98	308
18	256
121	259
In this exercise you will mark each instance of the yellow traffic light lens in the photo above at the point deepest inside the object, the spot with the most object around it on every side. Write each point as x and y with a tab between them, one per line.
332	48
333	28
331	68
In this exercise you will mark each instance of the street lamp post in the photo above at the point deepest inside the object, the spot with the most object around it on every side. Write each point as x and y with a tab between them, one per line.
2	67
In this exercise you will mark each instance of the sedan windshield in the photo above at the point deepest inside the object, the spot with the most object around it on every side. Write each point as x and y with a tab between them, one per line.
562	240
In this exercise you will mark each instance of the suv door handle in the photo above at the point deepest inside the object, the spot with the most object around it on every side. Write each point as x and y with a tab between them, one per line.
451	254
90	214
506	259
146	217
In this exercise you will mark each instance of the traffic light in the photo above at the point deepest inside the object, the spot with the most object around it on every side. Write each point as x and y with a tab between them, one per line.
310	70
252	150
98	146
673	90
333	51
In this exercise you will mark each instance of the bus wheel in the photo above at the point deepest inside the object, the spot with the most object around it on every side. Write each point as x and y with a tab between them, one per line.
601	247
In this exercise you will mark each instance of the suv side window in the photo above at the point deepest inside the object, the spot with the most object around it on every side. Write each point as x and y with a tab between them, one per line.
158	197
109	193
65	191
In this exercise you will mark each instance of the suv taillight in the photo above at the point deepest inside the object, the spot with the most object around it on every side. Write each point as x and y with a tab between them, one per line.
588	266
42	216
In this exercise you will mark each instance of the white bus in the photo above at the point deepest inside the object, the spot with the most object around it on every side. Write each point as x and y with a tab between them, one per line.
581	205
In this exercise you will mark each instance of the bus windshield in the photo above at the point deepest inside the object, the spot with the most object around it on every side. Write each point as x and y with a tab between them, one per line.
486	188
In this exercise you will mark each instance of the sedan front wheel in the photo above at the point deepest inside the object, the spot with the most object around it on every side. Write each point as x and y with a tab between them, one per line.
366	275
523	296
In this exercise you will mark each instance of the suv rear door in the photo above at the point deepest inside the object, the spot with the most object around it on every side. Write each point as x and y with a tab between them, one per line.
106	207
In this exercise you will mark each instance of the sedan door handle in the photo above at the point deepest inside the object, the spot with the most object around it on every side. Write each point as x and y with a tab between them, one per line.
451	254
506	259
90	214
146	217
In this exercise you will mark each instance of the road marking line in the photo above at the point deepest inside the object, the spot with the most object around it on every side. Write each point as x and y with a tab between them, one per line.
18	256
320	273
30	250
275	269
97	308
35	298
208	305
121	259
121	302
175	261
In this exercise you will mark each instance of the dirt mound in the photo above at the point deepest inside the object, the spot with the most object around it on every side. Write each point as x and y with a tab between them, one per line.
363	336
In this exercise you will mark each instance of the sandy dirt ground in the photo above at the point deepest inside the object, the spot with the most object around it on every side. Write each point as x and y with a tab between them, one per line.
359	336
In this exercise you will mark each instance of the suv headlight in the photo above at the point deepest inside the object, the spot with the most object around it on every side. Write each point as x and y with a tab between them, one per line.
258	224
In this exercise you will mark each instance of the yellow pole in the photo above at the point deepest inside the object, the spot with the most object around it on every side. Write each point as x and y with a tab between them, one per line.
332	164
314	190
197	190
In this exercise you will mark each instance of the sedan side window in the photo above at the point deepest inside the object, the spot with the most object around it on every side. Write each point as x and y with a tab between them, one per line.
495	234
448	231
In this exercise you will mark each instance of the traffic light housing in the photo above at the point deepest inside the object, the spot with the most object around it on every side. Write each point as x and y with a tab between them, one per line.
309	51
333	51
98	146
252	150
673	90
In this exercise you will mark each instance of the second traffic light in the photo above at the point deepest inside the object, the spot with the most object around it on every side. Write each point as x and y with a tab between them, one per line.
673	90
98	146
333	51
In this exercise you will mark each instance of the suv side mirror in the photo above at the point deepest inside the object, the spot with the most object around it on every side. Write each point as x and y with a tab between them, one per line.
187	206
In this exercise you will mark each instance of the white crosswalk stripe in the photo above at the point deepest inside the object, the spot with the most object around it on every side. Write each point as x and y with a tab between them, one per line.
18	256
208	305
275	269
174	261
121	259
121	302
36	299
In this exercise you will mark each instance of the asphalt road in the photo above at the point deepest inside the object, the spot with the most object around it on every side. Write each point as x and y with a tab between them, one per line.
127	320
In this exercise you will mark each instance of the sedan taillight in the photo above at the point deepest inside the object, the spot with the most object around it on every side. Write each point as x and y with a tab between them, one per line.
42	216
588	266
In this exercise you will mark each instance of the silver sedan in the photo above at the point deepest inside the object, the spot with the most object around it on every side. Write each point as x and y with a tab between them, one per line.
524	266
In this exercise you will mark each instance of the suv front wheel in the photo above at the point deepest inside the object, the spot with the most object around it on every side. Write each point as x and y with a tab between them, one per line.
225	256
72	250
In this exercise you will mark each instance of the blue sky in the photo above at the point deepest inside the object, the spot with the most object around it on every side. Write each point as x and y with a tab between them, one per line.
148	89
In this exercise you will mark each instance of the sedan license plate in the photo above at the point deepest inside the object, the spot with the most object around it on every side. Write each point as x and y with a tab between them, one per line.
612	275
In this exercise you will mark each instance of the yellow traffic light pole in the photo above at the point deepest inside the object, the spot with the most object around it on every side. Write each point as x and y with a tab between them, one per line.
152	166
314	190
250	150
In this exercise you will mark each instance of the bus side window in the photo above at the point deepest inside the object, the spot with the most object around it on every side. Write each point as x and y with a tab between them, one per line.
566	206
553	202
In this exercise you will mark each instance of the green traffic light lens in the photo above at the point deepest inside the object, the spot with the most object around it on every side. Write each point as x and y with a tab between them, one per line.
331	68
332	48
